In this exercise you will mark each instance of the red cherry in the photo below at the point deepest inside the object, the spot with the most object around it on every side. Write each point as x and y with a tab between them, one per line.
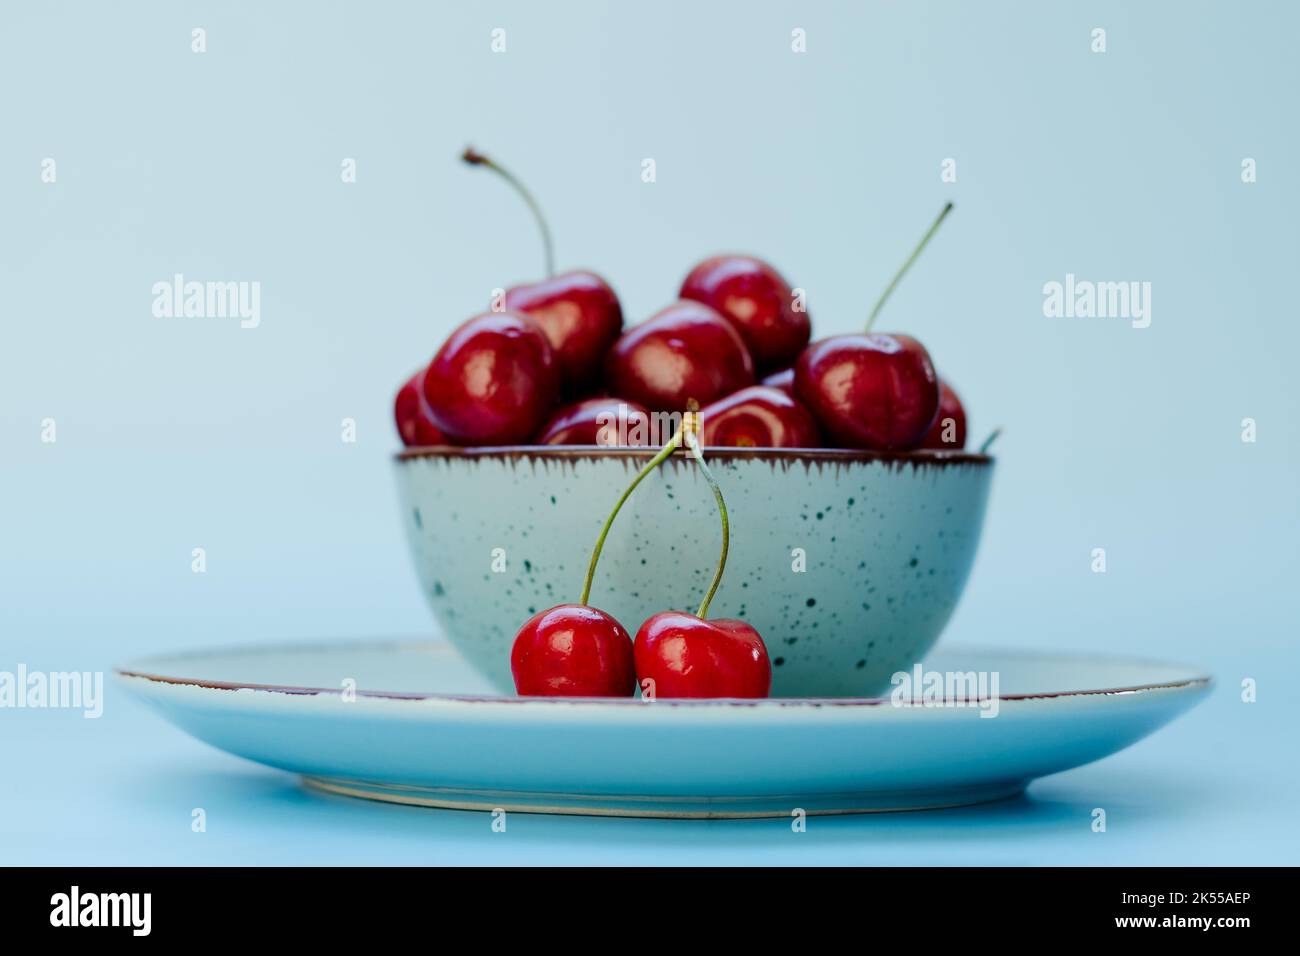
686	656
759	417
573	650
411	411
757	301
784	380
685	352
581	317
598	421
493	382
869	391
950	411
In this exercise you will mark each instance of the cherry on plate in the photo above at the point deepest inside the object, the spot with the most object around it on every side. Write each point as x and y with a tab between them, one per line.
686	656
573	650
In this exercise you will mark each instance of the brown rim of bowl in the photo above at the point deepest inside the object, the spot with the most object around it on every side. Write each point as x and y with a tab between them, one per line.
567	452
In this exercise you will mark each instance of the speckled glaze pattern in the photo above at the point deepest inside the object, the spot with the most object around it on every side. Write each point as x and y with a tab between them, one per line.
886	543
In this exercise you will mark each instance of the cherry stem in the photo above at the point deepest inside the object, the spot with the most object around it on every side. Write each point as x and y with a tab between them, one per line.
693	442
475	158
673	444
880	303
988	442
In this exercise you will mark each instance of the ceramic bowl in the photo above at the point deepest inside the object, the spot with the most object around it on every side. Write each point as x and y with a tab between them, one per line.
848	563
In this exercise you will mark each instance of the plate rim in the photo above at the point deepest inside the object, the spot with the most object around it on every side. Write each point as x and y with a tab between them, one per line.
1201	679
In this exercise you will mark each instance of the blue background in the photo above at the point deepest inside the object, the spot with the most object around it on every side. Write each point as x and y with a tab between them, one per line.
175	434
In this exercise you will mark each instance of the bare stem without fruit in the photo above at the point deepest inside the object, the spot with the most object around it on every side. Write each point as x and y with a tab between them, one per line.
880	303
475	158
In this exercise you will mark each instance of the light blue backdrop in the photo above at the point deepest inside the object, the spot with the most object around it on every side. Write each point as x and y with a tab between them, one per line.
174	434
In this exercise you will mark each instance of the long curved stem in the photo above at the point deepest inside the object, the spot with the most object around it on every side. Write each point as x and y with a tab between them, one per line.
673	444
475	158
880	303
693	442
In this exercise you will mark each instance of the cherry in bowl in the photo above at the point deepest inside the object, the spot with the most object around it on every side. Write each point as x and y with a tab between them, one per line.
949	428
581	317
754	297
872	391
493	382
411	412
759	417
682	354
610	422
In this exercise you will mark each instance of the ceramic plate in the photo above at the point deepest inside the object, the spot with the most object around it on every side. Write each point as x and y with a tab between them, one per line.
422	728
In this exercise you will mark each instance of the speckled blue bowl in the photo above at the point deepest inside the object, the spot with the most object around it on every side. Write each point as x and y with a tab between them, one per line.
849	563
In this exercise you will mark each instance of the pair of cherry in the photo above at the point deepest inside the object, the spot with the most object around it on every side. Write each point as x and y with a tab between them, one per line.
575	650
500	376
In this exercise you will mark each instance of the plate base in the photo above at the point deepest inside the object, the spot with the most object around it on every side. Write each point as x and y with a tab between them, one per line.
701	808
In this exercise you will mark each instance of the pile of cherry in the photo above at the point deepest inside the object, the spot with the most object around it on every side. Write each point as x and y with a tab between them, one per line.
554	366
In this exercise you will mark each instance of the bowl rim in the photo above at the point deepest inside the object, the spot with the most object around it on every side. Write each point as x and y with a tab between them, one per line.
923	456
